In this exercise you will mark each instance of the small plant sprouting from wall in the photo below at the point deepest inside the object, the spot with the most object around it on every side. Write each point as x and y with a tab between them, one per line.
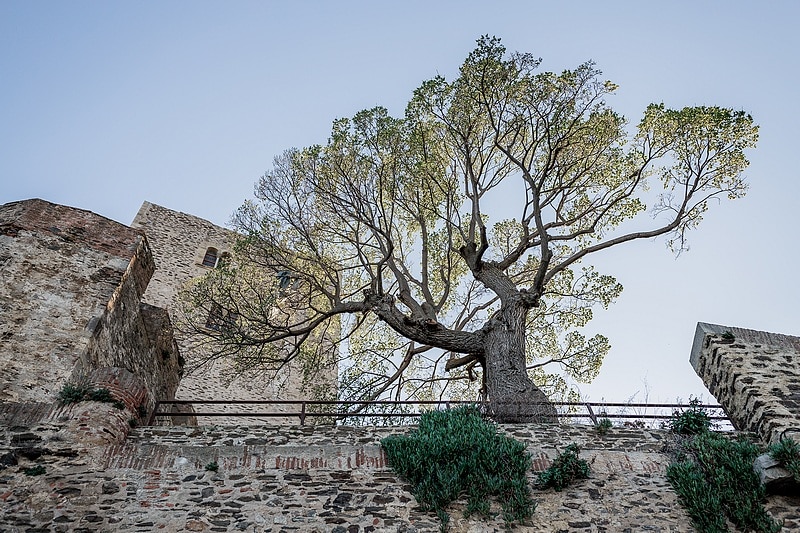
692	421
71	393
565	470
728	336
457	452
787	452
37	470
212	466
603	426
714	477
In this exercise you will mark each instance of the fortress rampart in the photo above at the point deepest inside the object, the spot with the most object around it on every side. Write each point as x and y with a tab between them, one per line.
70	310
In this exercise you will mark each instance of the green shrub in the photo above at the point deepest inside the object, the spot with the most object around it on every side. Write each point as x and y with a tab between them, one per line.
457	452
692	421
212	466
787	452
566	468
714	477
37	470
70	393
604	425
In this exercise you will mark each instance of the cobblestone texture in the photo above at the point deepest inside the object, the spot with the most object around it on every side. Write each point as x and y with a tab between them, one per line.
280	479
754	375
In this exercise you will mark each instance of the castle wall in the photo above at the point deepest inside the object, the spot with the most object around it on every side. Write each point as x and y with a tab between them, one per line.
323	479
754	375
179	242
70	284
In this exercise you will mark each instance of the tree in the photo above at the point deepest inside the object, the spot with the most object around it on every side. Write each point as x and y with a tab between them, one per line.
387	227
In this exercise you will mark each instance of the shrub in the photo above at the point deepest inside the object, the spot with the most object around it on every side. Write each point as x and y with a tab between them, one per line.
565	470
787	452
692	421
70	393
212	466
457	452
714	477
37	470
604	425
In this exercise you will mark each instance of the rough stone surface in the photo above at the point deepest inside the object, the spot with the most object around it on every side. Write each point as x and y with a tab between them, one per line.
754	375
179	242
773	476
70	287
273	478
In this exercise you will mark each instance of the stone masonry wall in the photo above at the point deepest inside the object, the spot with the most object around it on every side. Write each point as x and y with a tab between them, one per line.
70	282
179	242
754	375
315	479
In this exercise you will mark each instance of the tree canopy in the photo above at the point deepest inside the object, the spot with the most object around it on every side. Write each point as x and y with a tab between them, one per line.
446	250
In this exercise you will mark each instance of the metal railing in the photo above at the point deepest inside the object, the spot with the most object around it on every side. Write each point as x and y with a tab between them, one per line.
340	411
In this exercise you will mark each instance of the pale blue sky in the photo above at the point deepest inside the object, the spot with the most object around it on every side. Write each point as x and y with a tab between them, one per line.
106	104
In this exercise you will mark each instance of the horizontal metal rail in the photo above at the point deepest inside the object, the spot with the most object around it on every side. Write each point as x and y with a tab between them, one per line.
304	412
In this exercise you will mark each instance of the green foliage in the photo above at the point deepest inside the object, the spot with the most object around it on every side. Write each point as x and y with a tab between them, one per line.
212	466
565	470
387	223
457	452
692	421
71	393
714	478
787	452
728	336
604	425
37	470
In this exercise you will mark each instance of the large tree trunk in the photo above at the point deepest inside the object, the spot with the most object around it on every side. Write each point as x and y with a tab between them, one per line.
512	395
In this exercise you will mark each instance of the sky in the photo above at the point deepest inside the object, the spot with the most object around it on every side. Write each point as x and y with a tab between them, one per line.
105	105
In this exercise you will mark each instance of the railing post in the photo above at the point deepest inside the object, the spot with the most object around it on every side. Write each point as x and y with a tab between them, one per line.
303	414
591	413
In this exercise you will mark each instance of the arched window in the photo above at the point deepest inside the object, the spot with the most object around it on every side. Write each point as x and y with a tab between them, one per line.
210	259
214	259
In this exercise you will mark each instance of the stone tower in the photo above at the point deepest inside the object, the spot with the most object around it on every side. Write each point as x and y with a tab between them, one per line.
186	247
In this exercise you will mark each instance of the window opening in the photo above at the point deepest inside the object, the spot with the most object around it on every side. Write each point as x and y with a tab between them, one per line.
215	318
210	259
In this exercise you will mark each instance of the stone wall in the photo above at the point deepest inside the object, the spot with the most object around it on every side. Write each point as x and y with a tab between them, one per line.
179	242
70	285
315	479
754	375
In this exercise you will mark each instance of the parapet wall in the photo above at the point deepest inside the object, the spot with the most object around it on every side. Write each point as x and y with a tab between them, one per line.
316	479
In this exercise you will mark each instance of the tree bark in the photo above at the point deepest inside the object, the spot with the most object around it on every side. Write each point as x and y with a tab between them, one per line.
513	397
